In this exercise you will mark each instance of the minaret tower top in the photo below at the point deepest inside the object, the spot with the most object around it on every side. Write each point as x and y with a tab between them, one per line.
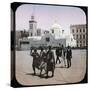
32	26
32	17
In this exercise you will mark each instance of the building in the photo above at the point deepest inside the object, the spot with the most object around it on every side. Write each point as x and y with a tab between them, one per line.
53	37
79	34
20	34
32	27
38	33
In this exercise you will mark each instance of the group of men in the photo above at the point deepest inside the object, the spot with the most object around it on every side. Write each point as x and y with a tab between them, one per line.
64	53
46	59
43	60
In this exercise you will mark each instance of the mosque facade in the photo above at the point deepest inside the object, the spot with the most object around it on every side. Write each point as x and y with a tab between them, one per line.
54	37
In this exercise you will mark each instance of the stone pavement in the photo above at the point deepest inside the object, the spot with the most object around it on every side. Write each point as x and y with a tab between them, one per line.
62	75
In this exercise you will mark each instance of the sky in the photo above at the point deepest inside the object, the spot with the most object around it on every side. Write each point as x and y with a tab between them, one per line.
47	15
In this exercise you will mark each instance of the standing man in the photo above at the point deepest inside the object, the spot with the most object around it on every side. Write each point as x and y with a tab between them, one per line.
69	56
43	64
50	61
42	54
60	52
42	57
57	55
36	62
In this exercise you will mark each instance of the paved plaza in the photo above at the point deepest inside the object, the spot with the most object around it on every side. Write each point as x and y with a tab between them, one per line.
62	75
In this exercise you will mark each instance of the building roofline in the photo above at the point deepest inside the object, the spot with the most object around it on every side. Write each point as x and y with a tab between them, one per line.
77	25
31	21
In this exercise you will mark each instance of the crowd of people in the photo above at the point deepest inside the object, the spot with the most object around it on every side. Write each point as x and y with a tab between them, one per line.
45	60
64	53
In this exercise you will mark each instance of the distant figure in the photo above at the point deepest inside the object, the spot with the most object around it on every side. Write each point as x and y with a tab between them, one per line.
69	56
57	55
36	60
64	54
50	61
60	52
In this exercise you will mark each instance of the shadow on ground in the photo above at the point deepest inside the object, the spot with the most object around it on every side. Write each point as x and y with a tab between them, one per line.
41	76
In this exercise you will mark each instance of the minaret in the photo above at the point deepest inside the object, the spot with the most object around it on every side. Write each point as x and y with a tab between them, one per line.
32	26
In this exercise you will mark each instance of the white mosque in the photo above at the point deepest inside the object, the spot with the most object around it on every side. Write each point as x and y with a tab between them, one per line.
55	36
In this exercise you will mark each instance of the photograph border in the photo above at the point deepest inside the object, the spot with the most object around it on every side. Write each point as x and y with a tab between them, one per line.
14	82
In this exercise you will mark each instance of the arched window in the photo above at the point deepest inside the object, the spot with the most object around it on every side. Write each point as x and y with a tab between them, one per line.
77	30
83	36
83	30
31	26
77	36
47	39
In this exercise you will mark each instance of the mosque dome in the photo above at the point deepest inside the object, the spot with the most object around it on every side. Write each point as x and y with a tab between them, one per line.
56	26
56	30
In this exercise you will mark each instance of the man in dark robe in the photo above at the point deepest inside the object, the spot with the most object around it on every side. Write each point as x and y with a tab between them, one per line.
43	59
57	55
36	61
69	56
50	61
